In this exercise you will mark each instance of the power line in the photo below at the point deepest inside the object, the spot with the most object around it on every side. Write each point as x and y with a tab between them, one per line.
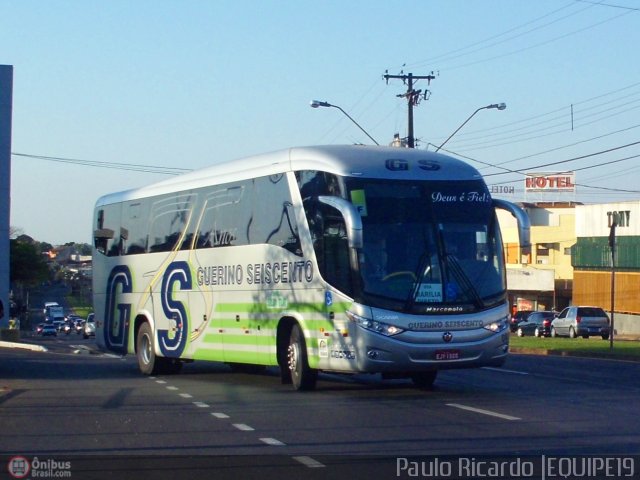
523	170
560	162
475	45
113	165
562	147
559	127
536	45
501	127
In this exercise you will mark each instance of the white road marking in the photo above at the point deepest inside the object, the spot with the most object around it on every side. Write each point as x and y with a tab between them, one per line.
309	462
483	412
161	382
112	355
272	441
219	415
170	387
201	404
504	370
243	427
186	395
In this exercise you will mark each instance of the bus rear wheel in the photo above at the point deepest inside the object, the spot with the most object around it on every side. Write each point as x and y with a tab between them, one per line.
147	362
302	376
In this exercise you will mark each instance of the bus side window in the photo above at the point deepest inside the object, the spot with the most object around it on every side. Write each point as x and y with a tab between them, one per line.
329	235
223	211
274	220
135	220
170	217
106	240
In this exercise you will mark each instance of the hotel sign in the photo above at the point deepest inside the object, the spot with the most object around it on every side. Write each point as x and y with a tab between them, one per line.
550	182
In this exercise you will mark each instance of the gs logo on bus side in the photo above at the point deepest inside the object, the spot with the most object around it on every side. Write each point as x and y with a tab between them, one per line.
173	341
117	316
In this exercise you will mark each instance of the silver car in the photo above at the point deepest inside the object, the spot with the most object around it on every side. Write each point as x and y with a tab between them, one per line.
581	322
89	329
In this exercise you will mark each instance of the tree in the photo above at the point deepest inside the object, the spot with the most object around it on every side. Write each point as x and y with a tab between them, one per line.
26	265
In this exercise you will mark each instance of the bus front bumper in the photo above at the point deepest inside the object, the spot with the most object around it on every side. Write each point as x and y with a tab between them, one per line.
424	351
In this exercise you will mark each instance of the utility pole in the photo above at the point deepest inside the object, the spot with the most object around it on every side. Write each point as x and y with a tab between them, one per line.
6	107
413	97
612	244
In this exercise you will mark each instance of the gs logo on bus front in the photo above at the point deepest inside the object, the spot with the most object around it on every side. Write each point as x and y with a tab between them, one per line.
401	165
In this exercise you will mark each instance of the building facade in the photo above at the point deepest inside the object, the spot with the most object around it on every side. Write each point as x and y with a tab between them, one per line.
597	281
543	278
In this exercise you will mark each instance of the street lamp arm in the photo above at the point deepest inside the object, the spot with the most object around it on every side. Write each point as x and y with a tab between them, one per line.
458	129
498	106
318	103
356	123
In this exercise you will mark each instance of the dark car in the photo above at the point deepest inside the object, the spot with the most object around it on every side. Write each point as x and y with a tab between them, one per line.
537	324
518	317
49	329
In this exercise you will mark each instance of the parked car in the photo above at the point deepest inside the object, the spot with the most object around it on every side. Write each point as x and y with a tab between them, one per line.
537	324
581	321
89	327
518	317
49	329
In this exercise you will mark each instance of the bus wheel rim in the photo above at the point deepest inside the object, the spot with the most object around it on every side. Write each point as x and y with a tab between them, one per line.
292	357
146	349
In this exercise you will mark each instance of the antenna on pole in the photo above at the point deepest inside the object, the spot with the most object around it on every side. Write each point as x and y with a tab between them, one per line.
413	97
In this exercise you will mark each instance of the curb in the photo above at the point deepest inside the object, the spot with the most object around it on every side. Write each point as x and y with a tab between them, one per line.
24	346
566	353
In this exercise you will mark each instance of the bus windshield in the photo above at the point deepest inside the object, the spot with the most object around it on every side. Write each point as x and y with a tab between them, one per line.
428	246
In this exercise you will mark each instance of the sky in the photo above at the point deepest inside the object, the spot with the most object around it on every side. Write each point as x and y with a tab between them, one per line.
109	96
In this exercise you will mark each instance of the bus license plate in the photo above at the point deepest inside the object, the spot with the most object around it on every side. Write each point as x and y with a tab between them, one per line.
447	354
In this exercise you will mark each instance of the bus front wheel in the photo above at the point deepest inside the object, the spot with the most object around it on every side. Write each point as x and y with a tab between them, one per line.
302	376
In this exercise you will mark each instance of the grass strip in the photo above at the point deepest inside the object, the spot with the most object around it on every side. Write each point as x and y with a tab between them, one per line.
592	347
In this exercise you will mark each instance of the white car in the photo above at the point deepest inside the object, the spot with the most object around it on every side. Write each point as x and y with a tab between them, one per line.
89	327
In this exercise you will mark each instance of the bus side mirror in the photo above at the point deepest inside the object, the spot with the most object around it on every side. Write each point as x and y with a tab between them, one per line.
103	234
524	224
101	237
351	216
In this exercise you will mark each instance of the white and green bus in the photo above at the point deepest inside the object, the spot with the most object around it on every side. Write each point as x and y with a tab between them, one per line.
349	259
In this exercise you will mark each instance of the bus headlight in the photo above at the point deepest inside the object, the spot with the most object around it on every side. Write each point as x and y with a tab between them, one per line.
375	326
497	326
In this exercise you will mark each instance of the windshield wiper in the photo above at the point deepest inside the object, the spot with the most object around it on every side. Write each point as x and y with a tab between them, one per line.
420	272
461	276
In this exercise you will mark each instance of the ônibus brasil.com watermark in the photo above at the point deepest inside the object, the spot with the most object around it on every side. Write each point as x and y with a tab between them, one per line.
545	467
22	467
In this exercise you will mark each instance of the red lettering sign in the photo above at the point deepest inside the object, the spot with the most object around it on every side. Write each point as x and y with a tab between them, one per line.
550	182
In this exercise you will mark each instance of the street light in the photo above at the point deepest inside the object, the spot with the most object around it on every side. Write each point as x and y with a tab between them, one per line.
499	106
318	103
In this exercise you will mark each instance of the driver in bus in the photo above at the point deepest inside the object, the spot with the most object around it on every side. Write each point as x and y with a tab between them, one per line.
375	259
